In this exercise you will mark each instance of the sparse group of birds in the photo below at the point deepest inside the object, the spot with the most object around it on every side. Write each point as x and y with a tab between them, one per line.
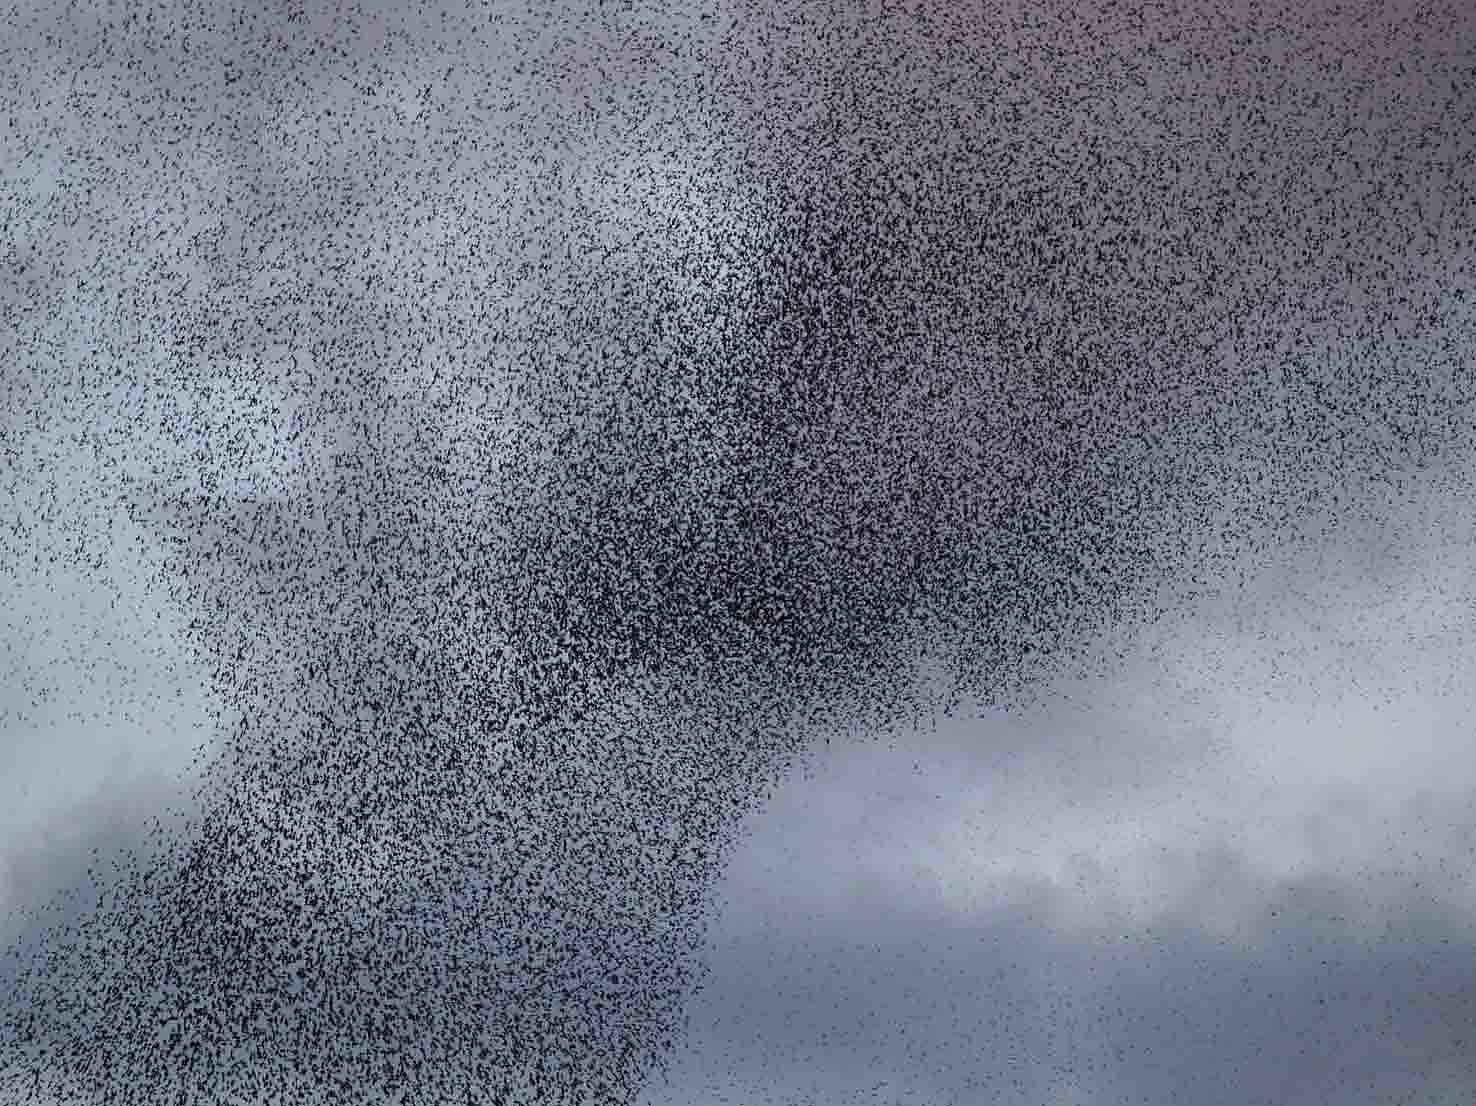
509	668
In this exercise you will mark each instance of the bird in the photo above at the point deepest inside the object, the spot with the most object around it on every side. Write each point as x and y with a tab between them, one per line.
611	511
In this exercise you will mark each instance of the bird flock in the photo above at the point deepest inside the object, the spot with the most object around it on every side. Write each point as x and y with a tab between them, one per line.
634	396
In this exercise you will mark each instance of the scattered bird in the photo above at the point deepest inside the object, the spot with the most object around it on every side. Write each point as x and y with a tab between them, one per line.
618	503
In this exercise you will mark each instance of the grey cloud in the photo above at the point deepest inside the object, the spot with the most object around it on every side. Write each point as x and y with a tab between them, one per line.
102	728
1229	861
894	997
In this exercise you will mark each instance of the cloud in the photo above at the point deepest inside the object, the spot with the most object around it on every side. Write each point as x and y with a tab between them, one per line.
103	713
1227	862
1009	1004
1205	974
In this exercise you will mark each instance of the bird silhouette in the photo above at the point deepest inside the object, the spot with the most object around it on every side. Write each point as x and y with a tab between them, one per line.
631	472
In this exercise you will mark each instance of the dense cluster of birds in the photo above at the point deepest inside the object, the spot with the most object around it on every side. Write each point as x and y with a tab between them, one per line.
677	388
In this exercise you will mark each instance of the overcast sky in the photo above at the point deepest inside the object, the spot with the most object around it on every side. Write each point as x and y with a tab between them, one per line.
1219	853
1237	868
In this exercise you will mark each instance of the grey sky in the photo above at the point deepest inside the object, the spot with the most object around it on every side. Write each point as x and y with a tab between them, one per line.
1238	868
1220	855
